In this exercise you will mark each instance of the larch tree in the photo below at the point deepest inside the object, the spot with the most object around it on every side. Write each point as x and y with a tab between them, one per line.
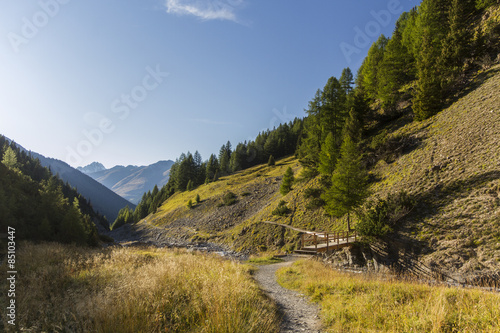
287	182
328	156
349	182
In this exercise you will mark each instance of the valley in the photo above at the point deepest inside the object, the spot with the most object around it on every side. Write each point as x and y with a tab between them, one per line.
395	159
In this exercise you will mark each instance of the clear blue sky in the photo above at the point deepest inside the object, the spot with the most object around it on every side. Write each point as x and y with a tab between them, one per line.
137	81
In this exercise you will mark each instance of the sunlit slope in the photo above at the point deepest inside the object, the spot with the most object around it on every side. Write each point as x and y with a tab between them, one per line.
239	225
454	174
451	168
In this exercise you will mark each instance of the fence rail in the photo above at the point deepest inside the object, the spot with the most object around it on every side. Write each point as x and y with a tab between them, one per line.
323	241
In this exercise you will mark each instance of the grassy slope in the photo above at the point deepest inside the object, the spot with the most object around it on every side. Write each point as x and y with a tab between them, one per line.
454	172
455	175
239	225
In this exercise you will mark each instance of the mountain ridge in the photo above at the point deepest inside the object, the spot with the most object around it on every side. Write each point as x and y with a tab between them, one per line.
92	167
131	182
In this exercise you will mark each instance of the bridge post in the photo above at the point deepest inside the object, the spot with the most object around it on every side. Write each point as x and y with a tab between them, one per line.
316	242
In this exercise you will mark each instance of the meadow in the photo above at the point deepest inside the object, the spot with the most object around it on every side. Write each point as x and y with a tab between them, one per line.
63	288
366	303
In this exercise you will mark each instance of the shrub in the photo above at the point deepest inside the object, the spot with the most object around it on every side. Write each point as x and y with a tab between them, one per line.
315	203
380	216
282	209
190	204
198	199
313	193
228	199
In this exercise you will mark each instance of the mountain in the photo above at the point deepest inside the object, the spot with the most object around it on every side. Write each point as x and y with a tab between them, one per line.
131	182
103	200
92	167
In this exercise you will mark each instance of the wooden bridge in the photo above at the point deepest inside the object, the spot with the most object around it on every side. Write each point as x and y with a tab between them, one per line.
316	242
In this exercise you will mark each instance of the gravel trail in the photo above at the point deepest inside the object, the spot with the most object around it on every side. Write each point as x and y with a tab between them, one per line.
298	314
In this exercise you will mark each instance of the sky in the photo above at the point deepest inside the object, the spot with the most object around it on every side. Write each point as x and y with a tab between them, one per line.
138	81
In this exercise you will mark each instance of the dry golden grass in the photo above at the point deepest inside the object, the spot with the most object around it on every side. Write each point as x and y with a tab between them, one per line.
360	303
63	288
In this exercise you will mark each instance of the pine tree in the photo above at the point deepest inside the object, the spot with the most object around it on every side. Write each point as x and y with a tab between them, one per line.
287	182
457	43
198	199
190	185
349	182
190	204
328	156
310	147
346	80
432	28
332	112
428	94
10	158
212	166
371	67
271	161
352	127
396	68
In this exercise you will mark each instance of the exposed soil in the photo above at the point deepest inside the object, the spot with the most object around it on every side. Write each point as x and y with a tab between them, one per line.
299	315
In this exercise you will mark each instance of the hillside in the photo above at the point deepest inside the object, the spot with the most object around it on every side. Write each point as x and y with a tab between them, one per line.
452	169
103	200
131	182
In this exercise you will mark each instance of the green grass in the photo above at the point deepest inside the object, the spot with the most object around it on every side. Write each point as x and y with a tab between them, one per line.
70	289
264	259
360	303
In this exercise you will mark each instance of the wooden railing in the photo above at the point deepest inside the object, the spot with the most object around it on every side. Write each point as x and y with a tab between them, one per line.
329	238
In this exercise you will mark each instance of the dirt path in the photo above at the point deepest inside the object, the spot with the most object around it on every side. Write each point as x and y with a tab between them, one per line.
298	314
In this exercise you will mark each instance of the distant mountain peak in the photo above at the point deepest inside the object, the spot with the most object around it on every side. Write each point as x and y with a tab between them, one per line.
92	167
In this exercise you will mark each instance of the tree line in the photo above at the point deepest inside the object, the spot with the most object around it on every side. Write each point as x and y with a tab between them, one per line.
428	55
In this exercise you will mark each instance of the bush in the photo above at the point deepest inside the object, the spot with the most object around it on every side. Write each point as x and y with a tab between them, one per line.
190	204
313	193
379	217
315	203
228	199
198	199
389	148
282	209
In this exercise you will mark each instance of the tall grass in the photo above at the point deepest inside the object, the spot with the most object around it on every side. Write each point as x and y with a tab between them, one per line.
71	289
354	303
